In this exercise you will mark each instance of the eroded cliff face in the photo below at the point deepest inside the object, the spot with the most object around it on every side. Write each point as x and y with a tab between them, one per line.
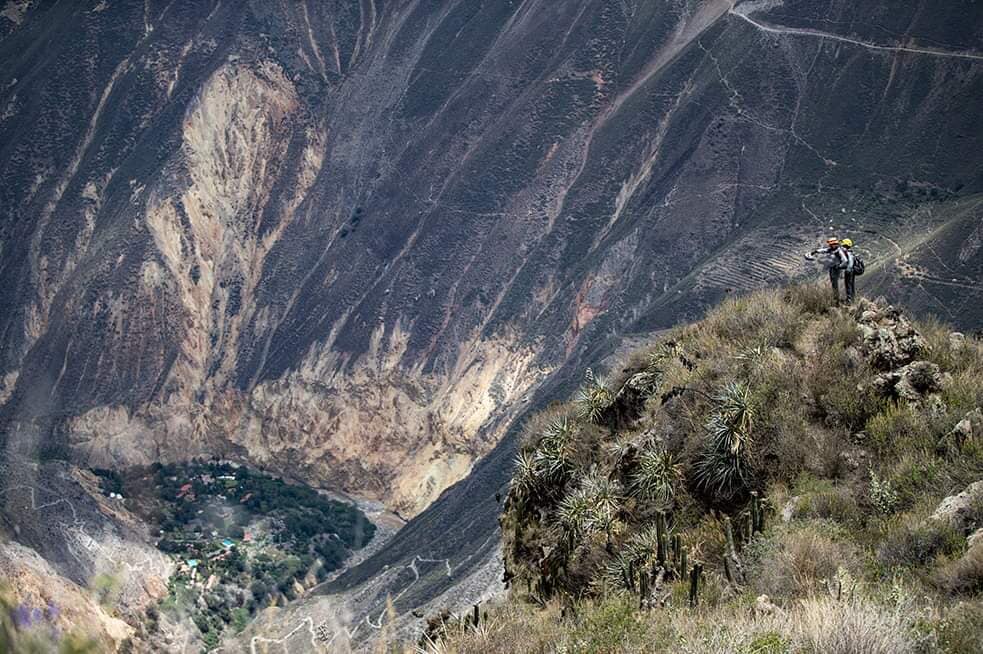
369	423
345	241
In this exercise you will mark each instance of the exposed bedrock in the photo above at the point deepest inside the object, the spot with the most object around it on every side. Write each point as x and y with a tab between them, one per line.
347	241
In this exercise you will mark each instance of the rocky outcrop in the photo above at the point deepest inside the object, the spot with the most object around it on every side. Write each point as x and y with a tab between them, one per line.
963	511
889	340
892	345
912	382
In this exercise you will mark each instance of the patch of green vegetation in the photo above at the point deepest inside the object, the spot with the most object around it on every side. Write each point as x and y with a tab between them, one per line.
242	539
611	626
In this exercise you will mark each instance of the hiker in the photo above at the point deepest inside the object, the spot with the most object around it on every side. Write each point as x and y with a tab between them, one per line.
835	258
849	278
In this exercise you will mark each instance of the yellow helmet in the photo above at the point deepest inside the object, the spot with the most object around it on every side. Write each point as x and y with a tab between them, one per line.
847	243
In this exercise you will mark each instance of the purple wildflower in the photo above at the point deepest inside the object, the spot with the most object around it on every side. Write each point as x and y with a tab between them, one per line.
22	616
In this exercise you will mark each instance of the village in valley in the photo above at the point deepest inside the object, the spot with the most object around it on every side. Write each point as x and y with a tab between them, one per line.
241	540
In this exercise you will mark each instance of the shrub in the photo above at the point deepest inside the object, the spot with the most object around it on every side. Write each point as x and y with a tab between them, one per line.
963	392
964	576
838	382
947	354
900	428
764	319
912	476
830	503
960	630
796	563
811	298
770	642
906	545
610	626
883	497
826	627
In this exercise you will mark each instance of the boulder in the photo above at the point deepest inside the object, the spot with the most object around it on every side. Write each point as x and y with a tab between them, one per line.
912	382
963	511
629	402
889	340
918	379
764	606
957	340
974	539
968	429
790	508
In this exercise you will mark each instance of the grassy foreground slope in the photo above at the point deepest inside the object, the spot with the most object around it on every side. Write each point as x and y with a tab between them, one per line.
816	465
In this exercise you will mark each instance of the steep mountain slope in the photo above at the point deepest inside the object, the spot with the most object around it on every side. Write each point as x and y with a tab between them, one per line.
782	476
347	241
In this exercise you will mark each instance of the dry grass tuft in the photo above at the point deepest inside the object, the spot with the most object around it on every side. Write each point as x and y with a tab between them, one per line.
964	576
797	562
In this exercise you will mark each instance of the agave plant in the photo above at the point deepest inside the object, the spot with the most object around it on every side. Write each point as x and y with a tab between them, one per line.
617	577
622	453
574	513
593	506
639	554
665	352
724	469
655	476
751	354
553	456
595	398
643	546
605	497
734	410
721	473
525	479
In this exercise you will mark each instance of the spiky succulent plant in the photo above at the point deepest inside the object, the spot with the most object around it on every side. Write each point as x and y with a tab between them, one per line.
525	479
724	468
606	498
554	454
593	506
733	416
595	398
574	513
655	476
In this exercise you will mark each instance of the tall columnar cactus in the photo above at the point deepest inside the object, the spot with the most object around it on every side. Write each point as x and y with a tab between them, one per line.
660	527
732	565
757	514
694	584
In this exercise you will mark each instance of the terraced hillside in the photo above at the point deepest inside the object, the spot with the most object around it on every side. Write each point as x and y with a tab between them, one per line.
354	242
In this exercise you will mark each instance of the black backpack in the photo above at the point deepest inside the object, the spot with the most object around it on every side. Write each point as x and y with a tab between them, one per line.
858	266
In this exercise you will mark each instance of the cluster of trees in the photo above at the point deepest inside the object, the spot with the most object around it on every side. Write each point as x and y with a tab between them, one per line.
311	533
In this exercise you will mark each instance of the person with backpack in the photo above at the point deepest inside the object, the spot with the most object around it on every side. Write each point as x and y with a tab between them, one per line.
834	258
839	259
850	269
